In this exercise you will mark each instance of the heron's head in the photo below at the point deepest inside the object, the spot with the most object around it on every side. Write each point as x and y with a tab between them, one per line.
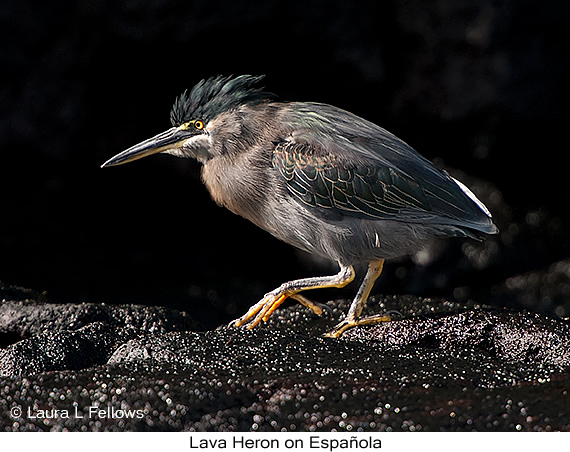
193	118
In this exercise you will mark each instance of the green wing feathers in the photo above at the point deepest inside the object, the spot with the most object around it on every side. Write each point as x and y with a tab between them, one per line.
321	180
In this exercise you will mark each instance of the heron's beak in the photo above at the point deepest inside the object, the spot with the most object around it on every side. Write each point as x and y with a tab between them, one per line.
173	138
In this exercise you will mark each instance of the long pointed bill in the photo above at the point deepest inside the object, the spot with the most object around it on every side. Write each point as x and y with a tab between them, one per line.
173	138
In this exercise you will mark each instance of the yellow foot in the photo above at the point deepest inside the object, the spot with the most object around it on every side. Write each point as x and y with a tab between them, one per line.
265	307
261	310
272	308
350	323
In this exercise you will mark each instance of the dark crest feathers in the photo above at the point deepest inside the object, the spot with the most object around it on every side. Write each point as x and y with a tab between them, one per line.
215	95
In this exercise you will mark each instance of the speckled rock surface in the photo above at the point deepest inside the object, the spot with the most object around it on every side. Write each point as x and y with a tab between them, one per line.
441	366
39	336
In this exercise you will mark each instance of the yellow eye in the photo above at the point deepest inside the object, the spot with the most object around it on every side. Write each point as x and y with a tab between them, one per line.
199	125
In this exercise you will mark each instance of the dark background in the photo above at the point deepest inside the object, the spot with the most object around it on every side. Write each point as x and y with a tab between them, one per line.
475	85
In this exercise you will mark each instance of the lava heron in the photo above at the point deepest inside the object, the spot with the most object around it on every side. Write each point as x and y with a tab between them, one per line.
317	177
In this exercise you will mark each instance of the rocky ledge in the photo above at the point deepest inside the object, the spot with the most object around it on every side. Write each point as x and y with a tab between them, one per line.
440	366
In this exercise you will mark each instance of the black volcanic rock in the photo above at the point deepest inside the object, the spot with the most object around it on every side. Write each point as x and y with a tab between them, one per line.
439	366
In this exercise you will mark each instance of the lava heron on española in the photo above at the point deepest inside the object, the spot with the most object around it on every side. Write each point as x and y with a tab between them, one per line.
317	177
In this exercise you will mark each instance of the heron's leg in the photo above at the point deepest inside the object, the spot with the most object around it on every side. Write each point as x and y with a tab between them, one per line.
263	309
351	319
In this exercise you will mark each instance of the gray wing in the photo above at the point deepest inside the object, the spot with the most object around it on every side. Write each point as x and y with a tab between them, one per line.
393	182
322	181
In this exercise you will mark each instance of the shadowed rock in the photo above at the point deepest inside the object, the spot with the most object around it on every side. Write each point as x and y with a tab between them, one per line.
441	366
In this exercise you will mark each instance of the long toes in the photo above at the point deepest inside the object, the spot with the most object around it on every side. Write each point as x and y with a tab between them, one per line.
274	305
242	320
251	312
373	320
317	308
351	323
339	329
261	310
